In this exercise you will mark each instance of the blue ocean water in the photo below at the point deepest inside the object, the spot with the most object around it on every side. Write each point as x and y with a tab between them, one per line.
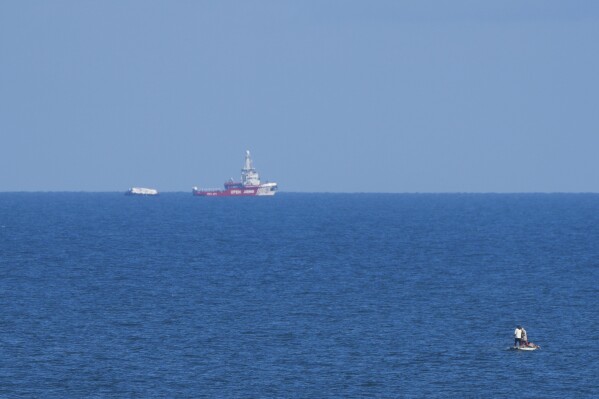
298	296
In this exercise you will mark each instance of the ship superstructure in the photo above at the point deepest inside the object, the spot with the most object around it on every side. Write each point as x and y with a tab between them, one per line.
249	185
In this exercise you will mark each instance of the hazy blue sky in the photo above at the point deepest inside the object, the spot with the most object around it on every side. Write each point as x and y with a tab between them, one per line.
373	96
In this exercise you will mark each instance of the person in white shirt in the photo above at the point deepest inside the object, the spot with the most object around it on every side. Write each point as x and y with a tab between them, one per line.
517	336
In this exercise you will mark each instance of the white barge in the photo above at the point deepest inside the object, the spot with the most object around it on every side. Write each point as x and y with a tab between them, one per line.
141	191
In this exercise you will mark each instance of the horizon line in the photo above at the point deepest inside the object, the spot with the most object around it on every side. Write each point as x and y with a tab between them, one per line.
308	192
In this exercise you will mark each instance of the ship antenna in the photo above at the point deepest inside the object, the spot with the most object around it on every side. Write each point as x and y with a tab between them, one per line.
248	160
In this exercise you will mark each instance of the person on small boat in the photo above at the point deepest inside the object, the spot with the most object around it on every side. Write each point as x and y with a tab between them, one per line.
517	336
524	337
523	341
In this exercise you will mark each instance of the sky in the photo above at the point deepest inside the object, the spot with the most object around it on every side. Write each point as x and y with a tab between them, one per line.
329	96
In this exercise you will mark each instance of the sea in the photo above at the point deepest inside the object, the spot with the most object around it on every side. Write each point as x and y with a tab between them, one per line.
298	295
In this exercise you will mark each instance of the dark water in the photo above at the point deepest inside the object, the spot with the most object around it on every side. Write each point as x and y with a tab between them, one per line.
298	296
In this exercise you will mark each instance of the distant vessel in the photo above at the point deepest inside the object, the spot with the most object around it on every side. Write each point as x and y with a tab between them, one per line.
249	185
141	191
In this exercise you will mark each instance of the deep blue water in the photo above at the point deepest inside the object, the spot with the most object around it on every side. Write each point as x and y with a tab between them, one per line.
298	296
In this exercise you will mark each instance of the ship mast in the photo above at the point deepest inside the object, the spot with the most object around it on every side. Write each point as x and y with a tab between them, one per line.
249	176
248	161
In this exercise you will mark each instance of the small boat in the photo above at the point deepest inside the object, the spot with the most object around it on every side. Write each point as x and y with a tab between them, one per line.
525	348
529	347
141	191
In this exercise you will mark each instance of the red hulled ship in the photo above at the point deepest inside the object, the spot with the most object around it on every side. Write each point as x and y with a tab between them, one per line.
249	185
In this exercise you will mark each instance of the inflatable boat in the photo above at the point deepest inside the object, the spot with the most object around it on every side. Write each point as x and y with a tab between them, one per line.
529	347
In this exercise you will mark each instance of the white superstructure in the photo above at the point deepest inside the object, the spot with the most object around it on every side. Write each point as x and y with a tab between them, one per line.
249	176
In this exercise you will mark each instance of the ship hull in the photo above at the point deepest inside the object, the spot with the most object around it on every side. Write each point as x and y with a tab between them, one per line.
236	192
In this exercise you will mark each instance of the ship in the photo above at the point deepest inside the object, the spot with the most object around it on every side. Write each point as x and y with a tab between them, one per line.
141	191
249	185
